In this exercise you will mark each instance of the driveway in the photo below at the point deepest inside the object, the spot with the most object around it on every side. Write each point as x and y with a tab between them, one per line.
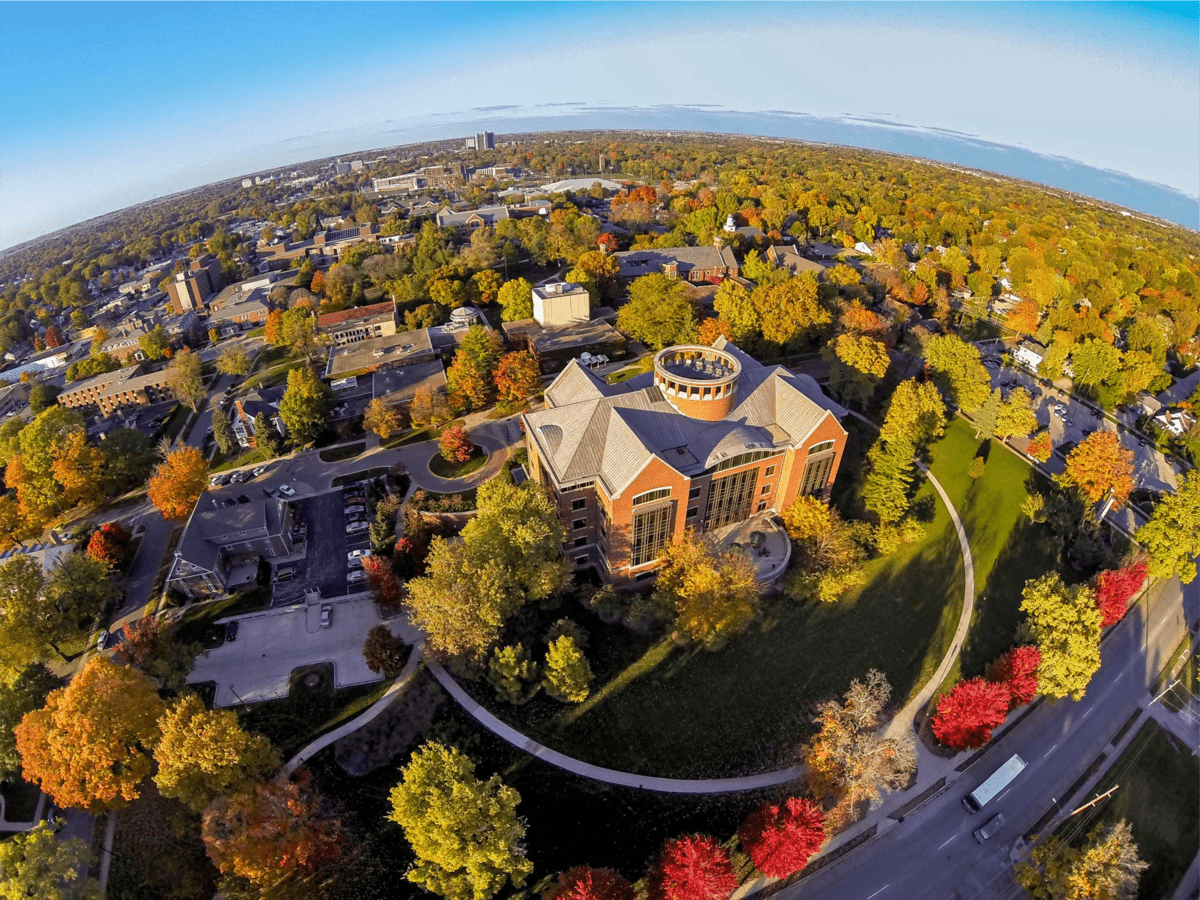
258	665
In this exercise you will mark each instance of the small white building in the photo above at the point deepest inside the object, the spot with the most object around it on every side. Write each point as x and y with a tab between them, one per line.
1174	421
560	303
1029	355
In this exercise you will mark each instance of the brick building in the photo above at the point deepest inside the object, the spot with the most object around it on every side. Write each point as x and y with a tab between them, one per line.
695	264
114	390
708	440
360	323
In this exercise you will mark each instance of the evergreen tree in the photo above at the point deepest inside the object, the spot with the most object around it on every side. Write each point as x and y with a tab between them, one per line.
267	437
223	431
568	675
988	416
305	405
885	492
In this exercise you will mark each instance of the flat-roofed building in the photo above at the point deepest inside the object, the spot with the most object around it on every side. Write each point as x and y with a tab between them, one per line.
112	391
350	326
406	348
560	303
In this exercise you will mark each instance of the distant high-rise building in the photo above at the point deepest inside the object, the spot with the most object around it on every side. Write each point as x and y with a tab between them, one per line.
485	140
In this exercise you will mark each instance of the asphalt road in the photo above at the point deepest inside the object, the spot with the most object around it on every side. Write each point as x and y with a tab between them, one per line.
932	853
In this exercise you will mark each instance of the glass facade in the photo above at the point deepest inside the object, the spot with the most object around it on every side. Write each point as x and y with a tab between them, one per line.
729	498
651	532
816	474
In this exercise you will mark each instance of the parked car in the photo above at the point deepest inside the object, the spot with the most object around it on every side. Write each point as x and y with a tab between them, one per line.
355	564
356	576
287	490
983	832
258	470
231	631
326	616
356	508
356	554
101	638
218	480
356	527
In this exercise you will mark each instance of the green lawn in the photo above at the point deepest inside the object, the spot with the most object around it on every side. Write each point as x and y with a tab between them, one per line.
247	458
444	469
1159	781
336	454
417	435
174	424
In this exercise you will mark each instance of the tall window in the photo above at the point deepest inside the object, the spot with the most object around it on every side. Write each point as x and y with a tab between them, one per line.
729	498
651	531
816	474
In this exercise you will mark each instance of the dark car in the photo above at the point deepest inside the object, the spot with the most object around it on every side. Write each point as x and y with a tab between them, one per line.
231	631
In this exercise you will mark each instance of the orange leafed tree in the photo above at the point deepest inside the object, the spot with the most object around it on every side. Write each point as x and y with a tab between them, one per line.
89	746
110	544
1100	464
454	444
274	328
1024	317
710	329
517	376
178	481
318	282
271	832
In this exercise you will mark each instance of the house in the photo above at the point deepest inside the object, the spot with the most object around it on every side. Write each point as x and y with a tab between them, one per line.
1174	421
471	219
361	323
1029	354
223	545
112	391
236	317
710	440
124	345
788	257
560	303
1181	390
697	264
557	345
249	407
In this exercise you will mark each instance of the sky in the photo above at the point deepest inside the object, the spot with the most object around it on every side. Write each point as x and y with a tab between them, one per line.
111	104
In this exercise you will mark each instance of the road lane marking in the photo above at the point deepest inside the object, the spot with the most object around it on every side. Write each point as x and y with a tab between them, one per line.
881	890
1048	752
948	840
1086	714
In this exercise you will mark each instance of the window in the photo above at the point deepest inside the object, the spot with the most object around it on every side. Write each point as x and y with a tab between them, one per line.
692	510
770	471
816	474
579	542
651	496
766	489
762	504
729	499
742	459
820	448
651	531
579	504
694	493
578	523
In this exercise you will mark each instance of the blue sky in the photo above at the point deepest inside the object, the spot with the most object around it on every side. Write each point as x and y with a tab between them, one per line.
111	104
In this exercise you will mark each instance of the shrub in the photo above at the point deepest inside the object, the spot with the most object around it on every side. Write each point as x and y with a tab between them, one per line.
694	867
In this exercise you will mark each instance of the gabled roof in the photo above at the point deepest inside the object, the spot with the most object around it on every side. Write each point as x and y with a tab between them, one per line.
357	312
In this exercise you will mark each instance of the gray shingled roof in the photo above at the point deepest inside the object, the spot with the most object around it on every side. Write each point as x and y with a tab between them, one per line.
635	263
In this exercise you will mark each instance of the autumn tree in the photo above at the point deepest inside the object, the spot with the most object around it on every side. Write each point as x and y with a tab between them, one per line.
959	370
1064	623
273	331
1172	535
714	594
692	867
517	377
790	309
111	544
988	416
587	883
178	481
1099	464
382	418
471	376
385	654
734	306
39	864
915	414
568	677
516	300
454	445
89	746
204	754
885	491
829	550
185	379
23	694
967	714
272	832
1106	867
487	285
781	838
511	671
863	353
1115	588
383	582
151	646
1017	670
429	407
465	832
234	360
1040	447
1016	417
305	406
848	760
658	312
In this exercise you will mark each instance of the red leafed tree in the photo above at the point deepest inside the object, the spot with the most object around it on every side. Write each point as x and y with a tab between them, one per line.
54	336
966	716
1040	447
455	445
586	883
409	558
383	581
607	242
693	867
1017	670
111	544
781	839
1114	589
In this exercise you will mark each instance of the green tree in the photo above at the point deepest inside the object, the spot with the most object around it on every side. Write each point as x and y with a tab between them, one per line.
1172	536
733	304
516	300
885	492
153	343
78	590
1095	362
25	619
1065	624
1016	416
471	377
186	380
222	431
465	832
305	406
298	330
129	458
568	676
234	360
511	671
25	693
916	414
38	864
267	438
658	312
42	396
959	371
987	417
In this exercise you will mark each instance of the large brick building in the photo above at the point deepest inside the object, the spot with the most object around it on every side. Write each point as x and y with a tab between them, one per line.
709	439
360	323
111	391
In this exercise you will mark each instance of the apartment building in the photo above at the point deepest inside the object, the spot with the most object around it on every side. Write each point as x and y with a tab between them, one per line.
709	440
114	390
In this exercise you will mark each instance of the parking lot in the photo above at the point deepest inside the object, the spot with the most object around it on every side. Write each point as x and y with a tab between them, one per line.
325	567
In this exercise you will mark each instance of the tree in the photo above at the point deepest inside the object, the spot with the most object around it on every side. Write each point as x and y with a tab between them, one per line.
828	550
568	676
151	647
863	353
516	300
1115	588
916	414
298	330
978	465
177	482
129	458
1172	536
693	867
234	360
885	492
1106	867
781	838
305	406
89	746
222	430
1040	447
848	761
454	445
384	652
267	438
39	864
272	832
204	754
153	343
111	544
1099	464
510	670
586	883
382	418
25	635
714	594
471	374
789	309
465	832
1095	362
967	714
317	285
487	285
1016	416
517	377
78	469
273	331
24	694
987	417
429	407
1017	671
1065	624
734	305
658	312
959	370
78	590
42	396
383	582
